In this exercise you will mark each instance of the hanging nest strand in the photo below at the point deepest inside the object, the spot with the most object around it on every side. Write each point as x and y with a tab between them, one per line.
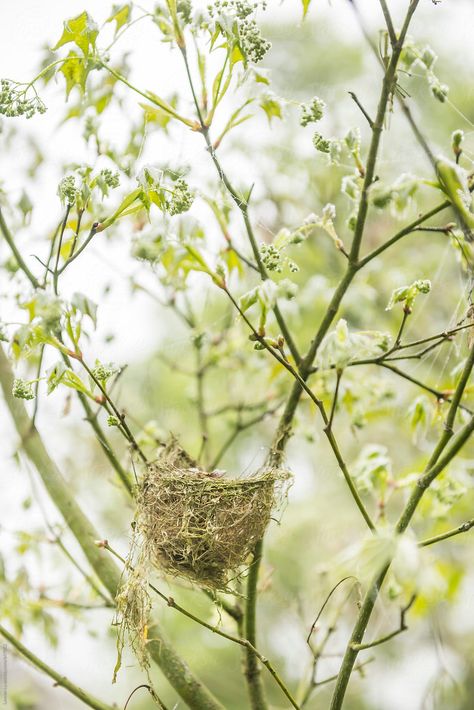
201	525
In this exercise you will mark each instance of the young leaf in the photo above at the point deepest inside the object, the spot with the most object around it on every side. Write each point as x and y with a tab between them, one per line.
85	306
81	31
120	15
306	4
75	72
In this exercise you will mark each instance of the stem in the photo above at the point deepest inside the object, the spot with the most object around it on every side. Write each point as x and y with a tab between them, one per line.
388	84
75	254
242	204
435	466
364	112
388	637
388	21
20	261
59	679
284	427
252	669
150	97
465	527
90	580
118	414
58	252
235	613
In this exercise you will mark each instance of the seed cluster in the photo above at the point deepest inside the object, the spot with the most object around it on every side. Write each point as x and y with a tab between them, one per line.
15	101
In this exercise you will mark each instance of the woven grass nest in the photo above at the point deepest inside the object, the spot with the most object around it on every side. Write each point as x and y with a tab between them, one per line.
201	525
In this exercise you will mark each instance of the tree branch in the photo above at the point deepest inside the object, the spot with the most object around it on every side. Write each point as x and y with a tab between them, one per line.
383	639
174	668
465	527
20	261
59	680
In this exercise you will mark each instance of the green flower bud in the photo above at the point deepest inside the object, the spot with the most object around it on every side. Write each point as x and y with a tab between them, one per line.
253	45
104	372
323	145
312	112
457	138
181	199
428	57
439	91
22	389
68	191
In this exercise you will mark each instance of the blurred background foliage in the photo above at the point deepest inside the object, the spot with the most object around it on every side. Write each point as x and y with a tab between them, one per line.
315	545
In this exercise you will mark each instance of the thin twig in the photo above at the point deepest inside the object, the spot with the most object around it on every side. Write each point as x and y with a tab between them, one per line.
364	112
59	680
465	527
241	641
383	639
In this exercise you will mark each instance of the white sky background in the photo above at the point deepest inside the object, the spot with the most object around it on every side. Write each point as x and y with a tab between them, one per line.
25	26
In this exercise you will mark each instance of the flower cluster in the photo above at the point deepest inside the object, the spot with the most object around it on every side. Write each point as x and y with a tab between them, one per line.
148	248
68	191
22	389
253	44
184	8
274	260
240	9
232	18
107	180
323	145
312	112
110	178
181	199
104	372
14	100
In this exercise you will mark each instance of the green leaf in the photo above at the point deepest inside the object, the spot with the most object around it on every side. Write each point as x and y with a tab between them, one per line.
55	374
85	305
120	15
306	4
156	115
408	294
272	107
236	55
75	72
81	31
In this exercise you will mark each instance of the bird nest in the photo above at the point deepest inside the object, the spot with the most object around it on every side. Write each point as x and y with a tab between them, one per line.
201	525
192	524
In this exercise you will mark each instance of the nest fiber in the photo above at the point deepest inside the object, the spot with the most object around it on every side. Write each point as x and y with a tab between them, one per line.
201	525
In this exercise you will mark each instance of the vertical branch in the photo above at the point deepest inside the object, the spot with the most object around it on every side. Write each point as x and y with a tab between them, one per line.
7	235
252	668
388	85
174	668
438	461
